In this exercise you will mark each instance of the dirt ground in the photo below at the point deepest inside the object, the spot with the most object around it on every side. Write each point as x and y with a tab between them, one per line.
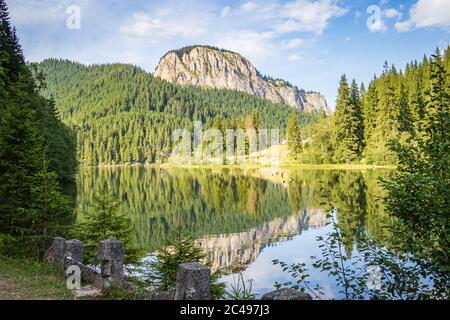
8	291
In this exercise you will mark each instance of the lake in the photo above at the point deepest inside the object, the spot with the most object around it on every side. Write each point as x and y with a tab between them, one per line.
244	219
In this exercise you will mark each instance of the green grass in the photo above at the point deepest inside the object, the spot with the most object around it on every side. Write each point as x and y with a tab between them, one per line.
22	279
355	166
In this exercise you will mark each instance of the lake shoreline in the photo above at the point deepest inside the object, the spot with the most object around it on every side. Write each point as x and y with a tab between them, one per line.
288	166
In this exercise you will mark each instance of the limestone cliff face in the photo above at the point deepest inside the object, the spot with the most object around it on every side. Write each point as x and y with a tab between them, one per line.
214	68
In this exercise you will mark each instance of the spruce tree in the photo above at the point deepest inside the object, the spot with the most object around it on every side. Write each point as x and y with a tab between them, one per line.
31	203
358	105
347	124
294	139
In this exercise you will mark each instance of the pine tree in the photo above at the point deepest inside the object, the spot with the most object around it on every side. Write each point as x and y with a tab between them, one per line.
105	221
294	139
358	105
31	203
347	124
20	153
9	45
436	122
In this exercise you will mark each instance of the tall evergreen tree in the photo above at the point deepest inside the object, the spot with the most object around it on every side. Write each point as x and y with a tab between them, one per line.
347	124
30	200
294	139
358	104
61	143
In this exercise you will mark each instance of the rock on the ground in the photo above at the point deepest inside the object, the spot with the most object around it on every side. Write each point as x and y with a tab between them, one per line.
87	292
286	294
193	282
74	249
110	256
55	253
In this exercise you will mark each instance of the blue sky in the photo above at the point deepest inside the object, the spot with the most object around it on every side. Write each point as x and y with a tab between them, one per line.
310	43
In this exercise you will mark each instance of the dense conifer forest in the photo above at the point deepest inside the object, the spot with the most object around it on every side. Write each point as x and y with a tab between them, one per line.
37	153
122	114
396	106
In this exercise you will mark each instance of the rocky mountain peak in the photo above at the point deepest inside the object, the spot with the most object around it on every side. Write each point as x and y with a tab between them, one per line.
206	66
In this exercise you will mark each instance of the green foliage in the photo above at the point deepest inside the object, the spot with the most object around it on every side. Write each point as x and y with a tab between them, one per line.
347	135
186	50
318	148
393	108
419	191
375	272
416	264
301	279
104	221
294	138
35	154
207	201
240	289
161	272
170	257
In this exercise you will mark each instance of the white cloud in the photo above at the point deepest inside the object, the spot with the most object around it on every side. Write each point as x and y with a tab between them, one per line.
403	26
309	16
157	28
377	26
427	13
225	11
255	46
293	43
295	57
39	12
295	15
249	6
392	13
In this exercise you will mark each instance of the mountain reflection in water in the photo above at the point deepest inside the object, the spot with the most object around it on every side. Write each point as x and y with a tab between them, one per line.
241	218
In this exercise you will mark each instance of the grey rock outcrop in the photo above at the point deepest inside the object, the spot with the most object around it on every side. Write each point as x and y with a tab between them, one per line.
193	282
286	294
205	66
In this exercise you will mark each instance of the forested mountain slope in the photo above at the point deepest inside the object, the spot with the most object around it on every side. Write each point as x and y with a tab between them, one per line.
122	114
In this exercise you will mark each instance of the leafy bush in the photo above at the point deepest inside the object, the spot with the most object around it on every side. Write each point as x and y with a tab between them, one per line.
402	275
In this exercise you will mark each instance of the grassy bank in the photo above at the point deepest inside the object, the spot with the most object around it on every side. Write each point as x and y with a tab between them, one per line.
22	279
285	165
266	159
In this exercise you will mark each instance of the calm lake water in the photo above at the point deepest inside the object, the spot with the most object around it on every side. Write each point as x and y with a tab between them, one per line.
244	219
